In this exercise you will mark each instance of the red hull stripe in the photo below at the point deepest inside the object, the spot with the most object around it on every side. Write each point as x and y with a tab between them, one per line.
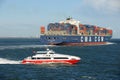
49	61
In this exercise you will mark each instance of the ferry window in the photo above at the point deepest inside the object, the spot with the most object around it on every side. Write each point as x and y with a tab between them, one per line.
38	58
45	58
33	58
60	58
51	53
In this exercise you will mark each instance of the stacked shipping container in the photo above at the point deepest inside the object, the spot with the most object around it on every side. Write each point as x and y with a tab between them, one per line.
72	29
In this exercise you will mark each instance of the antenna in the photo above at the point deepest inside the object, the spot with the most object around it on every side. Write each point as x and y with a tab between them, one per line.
47	49
69	18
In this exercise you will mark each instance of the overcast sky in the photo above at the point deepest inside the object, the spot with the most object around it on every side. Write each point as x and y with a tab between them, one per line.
23	18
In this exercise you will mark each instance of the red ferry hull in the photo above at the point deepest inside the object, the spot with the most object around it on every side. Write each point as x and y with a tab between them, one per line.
49	61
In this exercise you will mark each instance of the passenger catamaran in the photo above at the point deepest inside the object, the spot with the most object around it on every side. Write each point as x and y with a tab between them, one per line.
49	56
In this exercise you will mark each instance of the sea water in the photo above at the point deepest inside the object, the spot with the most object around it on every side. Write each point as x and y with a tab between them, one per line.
97	62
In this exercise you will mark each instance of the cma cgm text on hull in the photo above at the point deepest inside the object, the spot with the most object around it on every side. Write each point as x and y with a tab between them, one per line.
72	32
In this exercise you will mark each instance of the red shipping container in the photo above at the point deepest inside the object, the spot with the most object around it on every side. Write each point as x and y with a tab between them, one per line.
42	29
110	32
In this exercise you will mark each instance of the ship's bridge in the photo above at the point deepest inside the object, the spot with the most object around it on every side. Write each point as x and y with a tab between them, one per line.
71	21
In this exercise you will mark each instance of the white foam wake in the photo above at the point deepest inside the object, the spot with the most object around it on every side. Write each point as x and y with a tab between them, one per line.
24	46
7	61
109	43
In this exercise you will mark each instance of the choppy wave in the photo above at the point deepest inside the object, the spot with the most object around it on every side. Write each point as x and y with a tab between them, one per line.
87	77
7	61
24	46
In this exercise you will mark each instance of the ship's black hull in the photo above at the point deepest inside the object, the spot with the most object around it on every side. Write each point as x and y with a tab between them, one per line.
73	40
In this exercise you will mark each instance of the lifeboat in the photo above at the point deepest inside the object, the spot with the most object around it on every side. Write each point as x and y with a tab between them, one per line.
49	56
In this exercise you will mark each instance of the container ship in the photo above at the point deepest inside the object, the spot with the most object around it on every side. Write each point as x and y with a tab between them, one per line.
72	32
